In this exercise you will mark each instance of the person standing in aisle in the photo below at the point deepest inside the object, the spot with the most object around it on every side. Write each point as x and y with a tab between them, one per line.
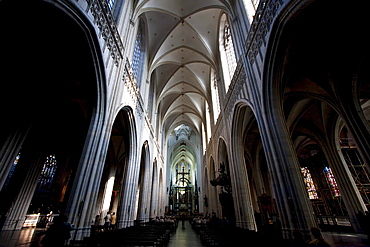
113	221
107	220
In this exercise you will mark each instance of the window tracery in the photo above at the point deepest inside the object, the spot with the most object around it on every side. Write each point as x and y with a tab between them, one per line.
310	186
331	181
227	51
12	169
110	3
139	55
215	97
47	174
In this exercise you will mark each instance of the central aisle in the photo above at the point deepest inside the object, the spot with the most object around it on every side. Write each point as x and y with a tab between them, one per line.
184	236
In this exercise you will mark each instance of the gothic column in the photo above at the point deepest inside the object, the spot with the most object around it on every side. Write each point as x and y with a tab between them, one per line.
352	114
146	186
154	195
212	190
348	189
128	196
244	212
295	209
81	207
19	207
9	151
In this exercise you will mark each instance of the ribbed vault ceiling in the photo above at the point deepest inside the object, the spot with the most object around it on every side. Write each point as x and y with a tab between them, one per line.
182	41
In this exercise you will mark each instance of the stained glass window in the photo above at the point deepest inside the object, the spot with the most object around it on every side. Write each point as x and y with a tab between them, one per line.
47	174
15	162
310	186
331	182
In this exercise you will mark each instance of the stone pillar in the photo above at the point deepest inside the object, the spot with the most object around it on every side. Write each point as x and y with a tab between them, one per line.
146	187
154	195
244	213
82	203
295	209
348	189
18	210
356	123
128	195
9	151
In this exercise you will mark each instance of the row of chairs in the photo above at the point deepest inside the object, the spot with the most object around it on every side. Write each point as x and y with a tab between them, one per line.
155	235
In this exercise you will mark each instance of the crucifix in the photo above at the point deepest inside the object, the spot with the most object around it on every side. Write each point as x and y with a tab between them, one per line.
183	173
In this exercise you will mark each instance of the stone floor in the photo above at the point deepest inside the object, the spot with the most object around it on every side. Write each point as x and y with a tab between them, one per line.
184	236
345	239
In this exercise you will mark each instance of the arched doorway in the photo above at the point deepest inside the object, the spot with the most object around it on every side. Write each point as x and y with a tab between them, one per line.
114	179
252	174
